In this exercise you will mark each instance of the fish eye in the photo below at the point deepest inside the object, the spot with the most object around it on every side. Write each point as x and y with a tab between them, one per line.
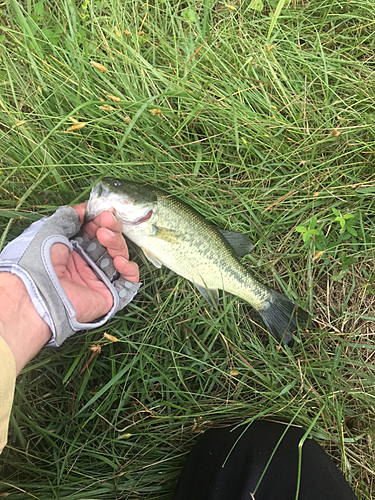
116	184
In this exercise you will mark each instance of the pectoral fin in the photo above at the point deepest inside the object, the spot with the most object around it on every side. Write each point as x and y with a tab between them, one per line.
165	234
152	258
240	242
211	295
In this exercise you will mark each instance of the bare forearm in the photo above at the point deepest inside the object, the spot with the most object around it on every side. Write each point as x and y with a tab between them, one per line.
20	325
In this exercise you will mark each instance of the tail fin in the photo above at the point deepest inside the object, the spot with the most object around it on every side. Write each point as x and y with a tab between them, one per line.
280	316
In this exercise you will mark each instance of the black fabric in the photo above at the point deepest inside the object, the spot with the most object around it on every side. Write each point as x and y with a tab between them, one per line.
227	463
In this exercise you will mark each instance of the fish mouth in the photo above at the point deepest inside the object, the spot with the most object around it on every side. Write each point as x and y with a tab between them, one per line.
145	218
103	198
98	192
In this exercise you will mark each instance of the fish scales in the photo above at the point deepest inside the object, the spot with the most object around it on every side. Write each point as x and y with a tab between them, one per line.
199	253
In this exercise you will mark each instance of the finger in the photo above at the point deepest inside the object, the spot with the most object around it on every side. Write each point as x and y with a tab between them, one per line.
105	219
129	270
114	242
59	257
80	209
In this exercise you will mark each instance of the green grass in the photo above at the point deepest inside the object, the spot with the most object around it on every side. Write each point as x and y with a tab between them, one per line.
267	126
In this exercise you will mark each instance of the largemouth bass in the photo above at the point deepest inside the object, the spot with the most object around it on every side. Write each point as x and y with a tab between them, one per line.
172	234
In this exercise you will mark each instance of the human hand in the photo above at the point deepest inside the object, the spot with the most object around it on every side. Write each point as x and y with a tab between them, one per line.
50	284
89	296
47	286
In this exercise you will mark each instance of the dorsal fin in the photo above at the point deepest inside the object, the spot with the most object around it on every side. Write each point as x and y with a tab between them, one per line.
240	242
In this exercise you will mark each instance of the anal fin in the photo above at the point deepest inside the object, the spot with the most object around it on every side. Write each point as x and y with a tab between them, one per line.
210	294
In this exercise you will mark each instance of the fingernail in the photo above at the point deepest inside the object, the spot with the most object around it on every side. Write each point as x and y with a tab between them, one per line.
125	260
110	233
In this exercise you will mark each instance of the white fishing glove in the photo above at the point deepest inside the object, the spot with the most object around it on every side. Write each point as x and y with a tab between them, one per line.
28	257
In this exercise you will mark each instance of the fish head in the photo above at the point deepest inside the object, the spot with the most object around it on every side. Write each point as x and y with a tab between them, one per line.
133	203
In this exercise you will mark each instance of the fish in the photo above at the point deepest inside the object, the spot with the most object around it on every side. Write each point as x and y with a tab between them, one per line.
173	234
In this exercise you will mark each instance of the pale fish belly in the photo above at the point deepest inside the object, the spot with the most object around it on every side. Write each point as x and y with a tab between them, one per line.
204	265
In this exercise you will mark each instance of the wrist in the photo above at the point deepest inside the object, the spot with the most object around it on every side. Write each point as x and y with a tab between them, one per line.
20	325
